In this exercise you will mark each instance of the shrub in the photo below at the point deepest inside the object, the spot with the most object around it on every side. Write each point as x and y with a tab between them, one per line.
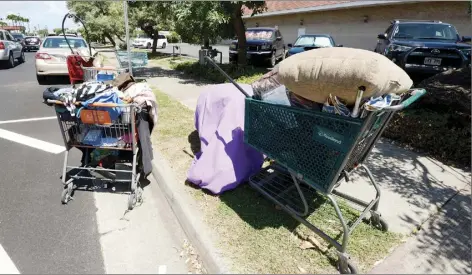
439	123
246	74
173	37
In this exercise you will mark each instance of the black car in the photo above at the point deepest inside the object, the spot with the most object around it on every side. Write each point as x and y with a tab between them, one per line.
424	46
32	43
262	44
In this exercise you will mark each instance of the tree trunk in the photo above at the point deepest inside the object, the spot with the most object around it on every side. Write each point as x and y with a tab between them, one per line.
154	41
241	34
112	41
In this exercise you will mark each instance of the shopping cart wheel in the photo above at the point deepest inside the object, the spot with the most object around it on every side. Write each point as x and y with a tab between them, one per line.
380	224
66	193
132	201
350	268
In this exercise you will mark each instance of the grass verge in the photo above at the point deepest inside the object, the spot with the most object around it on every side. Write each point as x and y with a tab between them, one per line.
244	75
253	234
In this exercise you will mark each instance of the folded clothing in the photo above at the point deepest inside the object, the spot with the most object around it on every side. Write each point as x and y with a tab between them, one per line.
316	74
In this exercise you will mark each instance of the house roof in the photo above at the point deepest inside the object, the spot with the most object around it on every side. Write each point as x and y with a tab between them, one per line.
291	7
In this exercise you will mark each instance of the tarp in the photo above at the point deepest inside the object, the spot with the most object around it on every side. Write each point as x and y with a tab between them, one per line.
224	161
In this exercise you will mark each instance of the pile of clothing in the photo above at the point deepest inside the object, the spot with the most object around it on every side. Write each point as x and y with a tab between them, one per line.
122	90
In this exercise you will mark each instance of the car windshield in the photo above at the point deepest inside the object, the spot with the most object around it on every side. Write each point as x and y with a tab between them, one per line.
313	41
31	39
142	36
259	34
426	31
17	35
58	42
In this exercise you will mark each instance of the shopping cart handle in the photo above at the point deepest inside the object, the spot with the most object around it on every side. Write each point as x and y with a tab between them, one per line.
415	95
97	104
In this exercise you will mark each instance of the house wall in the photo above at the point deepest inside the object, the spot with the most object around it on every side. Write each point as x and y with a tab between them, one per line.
348	28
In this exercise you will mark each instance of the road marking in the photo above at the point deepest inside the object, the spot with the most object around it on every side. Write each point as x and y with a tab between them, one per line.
27	119
32	142
6	264
162	269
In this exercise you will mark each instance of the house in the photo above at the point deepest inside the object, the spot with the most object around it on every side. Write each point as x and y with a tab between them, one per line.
354	23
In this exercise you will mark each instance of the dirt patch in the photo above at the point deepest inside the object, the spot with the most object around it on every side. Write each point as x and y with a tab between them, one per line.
439	123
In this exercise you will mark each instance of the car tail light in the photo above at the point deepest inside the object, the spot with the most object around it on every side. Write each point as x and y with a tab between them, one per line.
2	46
42	56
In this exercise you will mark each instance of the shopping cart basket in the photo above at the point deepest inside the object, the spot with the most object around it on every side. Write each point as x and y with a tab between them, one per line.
101	73
138	59
106	134
315	151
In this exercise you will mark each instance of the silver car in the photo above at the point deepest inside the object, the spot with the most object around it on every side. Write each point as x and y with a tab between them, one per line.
10	49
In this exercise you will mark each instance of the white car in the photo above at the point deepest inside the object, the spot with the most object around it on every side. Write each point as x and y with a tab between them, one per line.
146	42
50	59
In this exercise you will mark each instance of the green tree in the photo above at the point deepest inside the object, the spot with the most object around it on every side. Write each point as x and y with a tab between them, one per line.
103	18
43	32
152	16
235	10
2	24
201	22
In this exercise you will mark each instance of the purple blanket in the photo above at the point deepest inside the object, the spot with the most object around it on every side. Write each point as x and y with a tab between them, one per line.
224	161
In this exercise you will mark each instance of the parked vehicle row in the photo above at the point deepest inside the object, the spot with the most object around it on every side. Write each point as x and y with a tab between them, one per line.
10	49
416	46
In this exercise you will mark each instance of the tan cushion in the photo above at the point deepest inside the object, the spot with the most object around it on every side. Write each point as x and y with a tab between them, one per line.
341	71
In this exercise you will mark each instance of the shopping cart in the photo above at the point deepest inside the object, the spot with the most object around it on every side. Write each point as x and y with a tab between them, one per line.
138	59
315	151
101	73
106	134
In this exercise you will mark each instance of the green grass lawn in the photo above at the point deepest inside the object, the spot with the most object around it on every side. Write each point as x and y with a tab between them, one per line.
253	233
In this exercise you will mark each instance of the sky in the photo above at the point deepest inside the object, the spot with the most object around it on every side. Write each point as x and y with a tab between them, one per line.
42	13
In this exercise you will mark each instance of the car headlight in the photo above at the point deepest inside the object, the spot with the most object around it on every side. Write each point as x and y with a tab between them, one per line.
265	47
466	52
232	47
398	48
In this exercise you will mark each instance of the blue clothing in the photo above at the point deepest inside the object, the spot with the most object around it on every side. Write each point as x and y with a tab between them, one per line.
107	97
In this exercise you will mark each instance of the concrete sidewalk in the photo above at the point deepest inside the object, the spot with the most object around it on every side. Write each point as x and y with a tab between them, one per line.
442	246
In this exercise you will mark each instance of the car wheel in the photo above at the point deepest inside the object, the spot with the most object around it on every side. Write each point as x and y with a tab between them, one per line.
164	45
11	61
22	59
148	45
42	80
272	60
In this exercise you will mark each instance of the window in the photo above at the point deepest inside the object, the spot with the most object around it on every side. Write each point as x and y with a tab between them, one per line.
313	41
160	36
1	36
259	34
9	37
62	43
426	31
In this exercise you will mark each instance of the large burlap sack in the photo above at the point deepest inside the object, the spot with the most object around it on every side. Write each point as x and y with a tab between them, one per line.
340	71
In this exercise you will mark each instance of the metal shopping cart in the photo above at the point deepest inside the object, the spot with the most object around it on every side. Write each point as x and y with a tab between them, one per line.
315	151
99	74
138	59
106	134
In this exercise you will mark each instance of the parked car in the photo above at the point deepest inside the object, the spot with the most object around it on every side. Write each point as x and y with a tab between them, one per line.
50	59
424	46
262	44
32	43
19	37
10	49
146	42
308	42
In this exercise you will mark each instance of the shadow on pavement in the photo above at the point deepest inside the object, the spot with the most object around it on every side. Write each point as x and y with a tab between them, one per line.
149	72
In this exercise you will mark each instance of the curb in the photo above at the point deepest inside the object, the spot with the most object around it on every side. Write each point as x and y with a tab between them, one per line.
183	206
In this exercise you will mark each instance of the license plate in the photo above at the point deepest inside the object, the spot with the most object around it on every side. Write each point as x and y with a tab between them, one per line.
432	61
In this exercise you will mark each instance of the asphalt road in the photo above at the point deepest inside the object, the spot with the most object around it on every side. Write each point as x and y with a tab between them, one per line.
92	234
